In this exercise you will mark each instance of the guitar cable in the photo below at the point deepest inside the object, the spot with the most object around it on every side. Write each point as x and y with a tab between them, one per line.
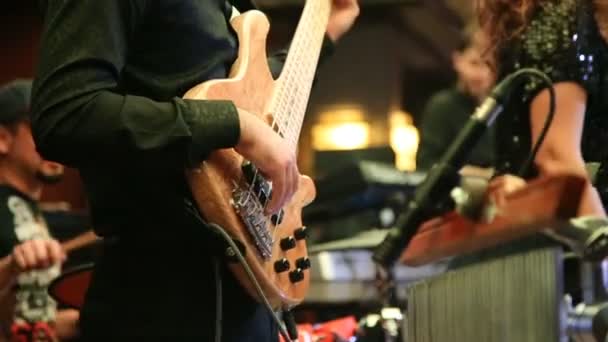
218	299
543	78
243	262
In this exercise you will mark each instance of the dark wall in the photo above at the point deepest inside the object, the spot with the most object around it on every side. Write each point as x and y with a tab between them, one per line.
20	28
20	37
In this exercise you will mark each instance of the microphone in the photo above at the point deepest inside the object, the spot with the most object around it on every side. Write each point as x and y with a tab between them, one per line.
443	176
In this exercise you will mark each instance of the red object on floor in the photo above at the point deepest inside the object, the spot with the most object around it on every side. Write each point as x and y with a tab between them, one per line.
26	332
332	331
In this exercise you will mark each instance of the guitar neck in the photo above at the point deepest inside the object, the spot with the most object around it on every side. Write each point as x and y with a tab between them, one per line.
292	91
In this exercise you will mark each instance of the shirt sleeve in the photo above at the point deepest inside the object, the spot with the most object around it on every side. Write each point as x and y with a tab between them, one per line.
560	42
79	113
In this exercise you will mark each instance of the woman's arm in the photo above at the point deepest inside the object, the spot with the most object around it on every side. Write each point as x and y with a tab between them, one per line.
561	150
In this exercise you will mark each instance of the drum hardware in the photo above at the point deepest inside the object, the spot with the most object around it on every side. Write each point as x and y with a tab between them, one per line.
384	326
388	324
586	322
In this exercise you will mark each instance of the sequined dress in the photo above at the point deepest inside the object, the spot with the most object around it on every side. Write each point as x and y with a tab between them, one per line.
563	41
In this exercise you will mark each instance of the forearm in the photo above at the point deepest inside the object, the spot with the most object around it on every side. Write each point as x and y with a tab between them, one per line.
560	152
560	163
66	324
591	204
7	274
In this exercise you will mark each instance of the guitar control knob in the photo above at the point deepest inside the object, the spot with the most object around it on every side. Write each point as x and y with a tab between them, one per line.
301	233
296	276
277	218
303	263
281	265
288	243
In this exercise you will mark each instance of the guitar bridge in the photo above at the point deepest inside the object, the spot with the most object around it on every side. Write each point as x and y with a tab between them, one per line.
247	202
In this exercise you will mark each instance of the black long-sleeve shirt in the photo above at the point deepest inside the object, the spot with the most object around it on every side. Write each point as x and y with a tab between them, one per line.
107	100
112	73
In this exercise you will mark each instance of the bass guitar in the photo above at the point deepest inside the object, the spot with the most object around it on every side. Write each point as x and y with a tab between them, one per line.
228	190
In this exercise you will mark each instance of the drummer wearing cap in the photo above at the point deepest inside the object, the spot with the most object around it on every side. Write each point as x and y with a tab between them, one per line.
29	258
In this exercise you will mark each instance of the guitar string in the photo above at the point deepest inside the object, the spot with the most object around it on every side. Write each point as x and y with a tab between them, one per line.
283	121
288	110
280	114
306	56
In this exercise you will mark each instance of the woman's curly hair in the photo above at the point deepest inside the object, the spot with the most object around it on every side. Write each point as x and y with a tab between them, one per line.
503	20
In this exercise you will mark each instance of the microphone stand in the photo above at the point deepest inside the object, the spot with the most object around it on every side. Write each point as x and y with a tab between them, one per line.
433	193
431	198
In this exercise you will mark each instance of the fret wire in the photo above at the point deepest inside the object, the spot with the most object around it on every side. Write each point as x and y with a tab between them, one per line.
300	64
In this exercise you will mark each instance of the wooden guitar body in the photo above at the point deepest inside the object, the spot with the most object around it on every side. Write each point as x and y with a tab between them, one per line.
251	87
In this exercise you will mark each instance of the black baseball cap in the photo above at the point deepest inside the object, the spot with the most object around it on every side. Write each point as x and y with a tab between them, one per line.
15	101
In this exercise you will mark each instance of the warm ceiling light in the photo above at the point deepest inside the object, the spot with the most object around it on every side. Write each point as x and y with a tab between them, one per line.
341	136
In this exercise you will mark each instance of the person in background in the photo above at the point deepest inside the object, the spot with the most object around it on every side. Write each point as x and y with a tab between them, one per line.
448	110
29	257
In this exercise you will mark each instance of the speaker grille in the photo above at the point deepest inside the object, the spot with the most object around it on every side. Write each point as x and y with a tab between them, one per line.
511	299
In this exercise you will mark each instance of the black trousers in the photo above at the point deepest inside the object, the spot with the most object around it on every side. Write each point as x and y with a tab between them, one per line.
163	289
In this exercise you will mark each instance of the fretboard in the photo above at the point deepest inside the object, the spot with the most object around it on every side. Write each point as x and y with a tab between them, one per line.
293	87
